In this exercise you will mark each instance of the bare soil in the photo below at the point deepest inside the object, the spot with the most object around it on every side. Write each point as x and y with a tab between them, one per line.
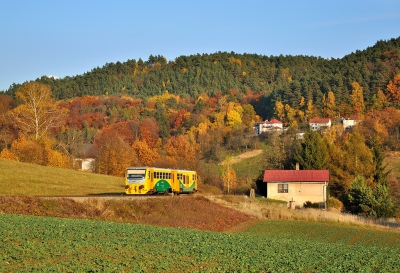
195	212
248	154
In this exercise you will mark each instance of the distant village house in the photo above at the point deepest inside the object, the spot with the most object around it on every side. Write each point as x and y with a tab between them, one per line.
349	123
318	124
273	125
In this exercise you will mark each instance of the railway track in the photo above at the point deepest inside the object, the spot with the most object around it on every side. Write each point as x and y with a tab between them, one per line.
122	196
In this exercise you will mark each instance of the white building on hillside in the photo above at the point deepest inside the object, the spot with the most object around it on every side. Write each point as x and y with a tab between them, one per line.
273	125
318	124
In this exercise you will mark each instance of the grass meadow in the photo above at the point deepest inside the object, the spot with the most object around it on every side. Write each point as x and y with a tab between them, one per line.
24	179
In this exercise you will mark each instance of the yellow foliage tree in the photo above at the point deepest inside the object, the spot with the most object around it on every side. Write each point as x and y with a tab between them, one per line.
233	119
181	152
358	98
7	154
311	111
56	159
229	179
290	114
144	153
38	113
279	110
164	97
329	109
29	151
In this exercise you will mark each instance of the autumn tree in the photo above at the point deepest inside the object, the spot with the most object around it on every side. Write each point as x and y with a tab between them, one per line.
37	113
228	176
357	96
234	117
348	159
393	90
149	131
6	134
311	111
181	153
280	110
248	117
72	141
329	109
145	155
28	150
113	154
278	153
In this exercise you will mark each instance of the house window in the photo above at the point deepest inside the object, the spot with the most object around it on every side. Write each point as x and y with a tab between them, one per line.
283	188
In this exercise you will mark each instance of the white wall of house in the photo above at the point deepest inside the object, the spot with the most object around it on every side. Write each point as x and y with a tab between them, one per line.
267	126
84	164
299	192
315	126
348	123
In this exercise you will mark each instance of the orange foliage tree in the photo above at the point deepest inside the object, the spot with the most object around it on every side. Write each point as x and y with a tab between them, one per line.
393	90
113	153
145	155
357	95
6	135
29	151
180	153
149	131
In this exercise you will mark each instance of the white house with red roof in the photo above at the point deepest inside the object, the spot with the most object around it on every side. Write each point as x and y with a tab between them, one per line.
297	186
348	123
273	125
317	124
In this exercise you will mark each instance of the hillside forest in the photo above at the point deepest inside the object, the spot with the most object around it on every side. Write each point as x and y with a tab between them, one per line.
190	113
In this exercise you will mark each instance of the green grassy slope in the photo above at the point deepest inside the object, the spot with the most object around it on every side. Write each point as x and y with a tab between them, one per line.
25	179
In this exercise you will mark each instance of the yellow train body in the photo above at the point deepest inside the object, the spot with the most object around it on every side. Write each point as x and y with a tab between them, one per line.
150	180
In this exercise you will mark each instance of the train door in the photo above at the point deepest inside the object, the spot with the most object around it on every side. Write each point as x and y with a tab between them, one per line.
174	181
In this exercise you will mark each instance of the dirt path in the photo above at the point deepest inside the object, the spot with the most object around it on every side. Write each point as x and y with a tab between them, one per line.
248	154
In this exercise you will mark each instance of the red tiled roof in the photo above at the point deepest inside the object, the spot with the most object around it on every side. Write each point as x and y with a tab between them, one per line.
274	120
319	120
296	176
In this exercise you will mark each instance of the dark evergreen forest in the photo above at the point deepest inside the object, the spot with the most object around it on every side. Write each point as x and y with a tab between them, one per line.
272	78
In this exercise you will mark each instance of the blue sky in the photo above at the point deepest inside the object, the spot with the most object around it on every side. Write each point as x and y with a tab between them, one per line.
71	37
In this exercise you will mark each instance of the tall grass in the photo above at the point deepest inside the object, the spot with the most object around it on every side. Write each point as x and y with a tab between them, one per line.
267	210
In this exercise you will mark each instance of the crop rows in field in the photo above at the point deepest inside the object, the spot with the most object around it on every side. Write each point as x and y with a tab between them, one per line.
47	244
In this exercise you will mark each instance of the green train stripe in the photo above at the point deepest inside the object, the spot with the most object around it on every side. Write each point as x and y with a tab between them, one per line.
187	189
162	186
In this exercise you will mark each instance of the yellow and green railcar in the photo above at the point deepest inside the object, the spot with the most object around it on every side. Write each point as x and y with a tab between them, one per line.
151	180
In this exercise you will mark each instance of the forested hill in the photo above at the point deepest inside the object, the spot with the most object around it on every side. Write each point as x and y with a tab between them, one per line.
271	78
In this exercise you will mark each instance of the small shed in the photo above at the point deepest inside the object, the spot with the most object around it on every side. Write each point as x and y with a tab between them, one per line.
85	160
297	186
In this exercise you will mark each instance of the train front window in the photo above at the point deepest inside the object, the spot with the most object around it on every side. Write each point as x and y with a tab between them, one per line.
135	176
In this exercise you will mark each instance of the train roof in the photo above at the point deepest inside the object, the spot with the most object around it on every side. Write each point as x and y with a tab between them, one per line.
157	168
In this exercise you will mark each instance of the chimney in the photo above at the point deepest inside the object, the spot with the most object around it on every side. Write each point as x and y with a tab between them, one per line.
297	166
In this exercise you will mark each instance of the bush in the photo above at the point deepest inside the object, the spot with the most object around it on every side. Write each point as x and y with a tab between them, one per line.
309	204
334	204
